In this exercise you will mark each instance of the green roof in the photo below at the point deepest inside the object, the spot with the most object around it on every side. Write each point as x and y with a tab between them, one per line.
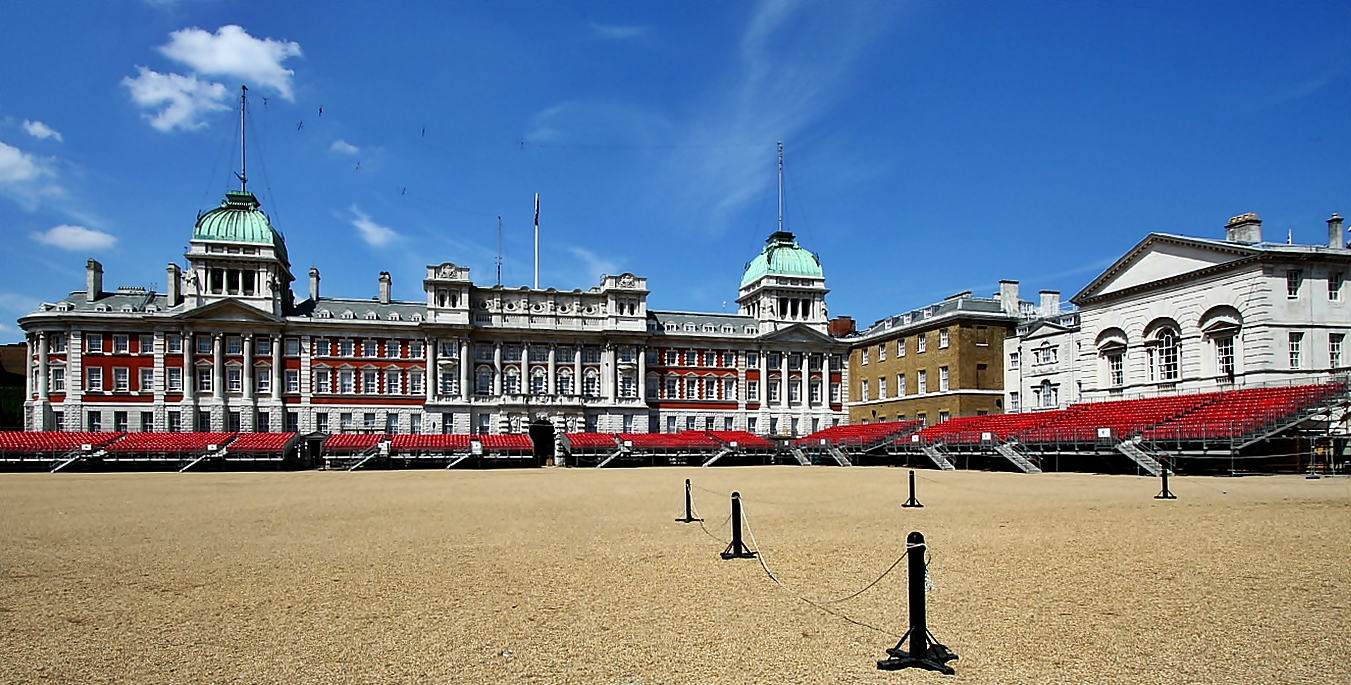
238	220
782	256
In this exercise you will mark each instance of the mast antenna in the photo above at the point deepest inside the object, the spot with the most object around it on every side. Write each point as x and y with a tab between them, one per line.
243	174
781	186
499	250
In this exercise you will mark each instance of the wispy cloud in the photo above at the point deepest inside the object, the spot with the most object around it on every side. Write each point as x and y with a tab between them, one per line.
614	32
374	234
75	238
593	266
232	52
182	101
25	178
343	147
37	129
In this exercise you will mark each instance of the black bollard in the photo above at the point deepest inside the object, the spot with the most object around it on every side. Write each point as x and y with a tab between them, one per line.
925	650
738	549
689	506
912	502
1165	493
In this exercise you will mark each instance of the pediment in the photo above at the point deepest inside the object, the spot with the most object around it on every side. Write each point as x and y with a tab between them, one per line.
1043	329
798	333
1159	257
229	310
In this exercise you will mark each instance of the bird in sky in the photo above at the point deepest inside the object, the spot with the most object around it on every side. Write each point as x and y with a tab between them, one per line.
424	131
264	100
358	166
300	125
321	111
403	191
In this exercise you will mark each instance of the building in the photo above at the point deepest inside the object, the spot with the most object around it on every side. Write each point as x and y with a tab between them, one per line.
229	348
1039	359
1178	314
936	362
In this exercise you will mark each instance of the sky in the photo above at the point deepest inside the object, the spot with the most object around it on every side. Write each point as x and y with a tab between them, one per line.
930	147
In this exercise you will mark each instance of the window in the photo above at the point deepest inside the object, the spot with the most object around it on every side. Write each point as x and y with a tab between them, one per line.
1335	286
1163	356
95	421
1296	342
263	380
943	379
234	379
943	339
346	382
922	377
539	383
900	347
323	382
774	359
882	352
881	388
234	344
391	423
835	393
863	390
691	389
565	382
774	389
393	348
120	421
1224	356
204	380
729	389
670	424
864	355
293	347
753	391
1116	374
392	384
922	342
751	424
93	342
1013	401
346	348
121	344
415	424
944	416
1335	349
370	382
415	349
591	384
794	390
773	426
371	348
900	385
415	383
292	380
203	344
145	344
368	419
591	355
982	336
321	422
1013	360
58	380
175	422
1046	354
727	423
345	420
147	380
57	343
174	343
816	392
264	345
483	381
262	422
752	359
1293	279
203	421
1046	394
512	386
175	379
93	378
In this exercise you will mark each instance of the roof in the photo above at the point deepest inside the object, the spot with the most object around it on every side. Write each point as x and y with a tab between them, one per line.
782	256
238	219
742	325
924	317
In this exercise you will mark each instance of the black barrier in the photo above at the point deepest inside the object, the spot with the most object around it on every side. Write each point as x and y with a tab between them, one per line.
689	506
925	650
1165	493
738	549
912	502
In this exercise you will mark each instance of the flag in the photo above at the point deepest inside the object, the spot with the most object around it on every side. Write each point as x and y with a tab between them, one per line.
536	210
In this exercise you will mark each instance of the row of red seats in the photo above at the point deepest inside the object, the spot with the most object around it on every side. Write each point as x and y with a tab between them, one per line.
684	440
262	443
52	442
433	442
1239	412
592	441
971	429
169	443
859	433
745	440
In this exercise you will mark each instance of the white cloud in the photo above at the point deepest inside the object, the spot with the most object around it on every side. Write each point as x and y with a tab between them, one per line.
17	166
618	32
185	99
232	52
344	147
593	265
75	238
374	234
37	129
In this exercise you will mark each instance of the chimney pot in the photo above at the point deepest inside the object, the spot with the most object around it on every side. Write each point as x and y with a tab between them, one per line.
314	284
1336	236
1050	302
1008	297
174	284
1244	228
93	280
386	285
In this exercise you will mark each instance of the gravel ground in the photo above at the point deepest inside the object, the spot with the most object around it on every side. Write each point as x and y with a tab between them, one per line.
582	576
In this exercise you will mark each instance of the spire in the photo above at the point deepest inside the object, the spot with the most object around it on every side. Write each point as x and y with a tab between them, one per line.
243	174
781	186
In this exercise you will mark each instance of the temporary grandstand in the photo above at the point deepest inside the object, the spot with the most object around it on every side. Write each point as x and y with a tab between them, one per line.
56	451
352	451
1269	428
686	448
849	445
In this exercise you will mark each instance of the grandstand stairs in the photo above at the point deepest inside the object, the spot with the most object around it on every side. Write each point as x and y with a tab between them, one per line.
801	456
722	453
937	457
368	455
452	463
220	452
1010	451
74	456
1147	461
619	452
840	457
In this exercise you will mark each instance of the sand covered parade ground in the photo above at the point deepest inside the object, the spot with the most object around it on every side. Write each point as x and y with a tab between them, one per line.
582	576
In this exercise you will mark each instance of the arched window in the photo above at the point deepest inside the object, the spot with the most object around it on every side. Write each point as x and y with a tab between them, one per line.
565	381
539	380
1221	326
483	380
1163	356
1111	345
591	383
512	385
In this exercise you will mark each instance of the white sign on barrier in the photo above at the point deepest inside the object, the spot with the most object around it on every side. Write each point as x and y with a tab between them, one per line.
823	441
914	438
628	443
86	447
212	448
475	447
1104	432
732	443
987	436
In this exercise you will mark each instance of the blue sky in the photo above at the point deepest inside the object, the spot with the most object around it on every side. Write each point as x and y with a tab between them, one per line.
931	147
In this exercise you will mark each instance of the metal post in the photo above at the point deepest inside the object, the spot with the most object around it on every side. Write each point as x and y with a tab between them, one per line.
689	506
925	651
738	549
1165	493
912	502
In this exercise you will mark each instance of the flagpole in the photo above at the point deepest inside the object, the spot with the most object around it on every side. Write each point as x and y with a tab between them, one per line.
536	241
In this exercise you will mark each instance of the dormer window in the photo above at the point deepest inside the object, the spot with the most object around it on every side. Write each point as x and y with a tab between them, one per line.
325	314
348	315
690	328
370	316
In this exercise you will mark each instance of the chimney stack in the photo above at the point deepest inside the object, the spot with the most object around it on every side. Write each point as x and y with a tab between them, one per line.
314	284
1008	297
1050	303
840	326
386	283
93	280
1336	238
1244	228
173	280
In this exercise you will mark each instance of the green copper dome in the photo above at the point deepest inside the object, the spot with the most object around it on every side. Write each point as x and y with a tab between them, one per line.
238	220
782	256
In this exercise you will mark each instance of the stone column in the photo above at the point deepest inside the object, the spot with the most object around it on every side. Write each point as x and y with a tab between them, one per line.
278	374
247	371
577	369
43	384
763	382
497	369
429	381
642	374
553	369
218	366
607	372
783	380
525	369
189	373
465	378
